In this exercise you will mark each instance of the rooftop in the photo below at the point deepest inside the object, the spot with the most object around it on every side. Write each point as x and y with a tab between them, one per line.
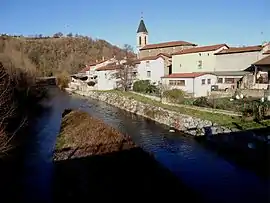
263	62
267	52
155	57
167	44
185	75
142	27
200	49
230	73
233	50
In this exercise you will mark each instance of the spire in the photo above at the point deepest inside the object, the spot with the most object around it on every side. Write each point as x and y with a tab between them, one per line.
142	27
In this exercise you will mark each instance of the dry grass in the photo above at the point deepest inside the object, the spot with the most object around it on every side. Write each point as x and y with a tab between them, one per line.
62	80
18	94
81	131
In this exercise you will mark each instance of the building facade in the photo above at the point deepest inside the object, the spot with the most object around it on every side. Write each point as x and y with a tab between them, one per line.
197	59
153	68
193	84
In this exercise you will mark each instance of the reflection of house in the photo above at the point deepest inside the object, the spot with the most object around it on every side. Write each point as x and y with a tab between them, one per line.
194	84
153	68
146	50
197	59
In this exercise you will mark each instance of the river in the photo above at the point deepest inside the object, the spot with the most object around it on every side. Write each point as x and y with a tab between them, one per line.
201	169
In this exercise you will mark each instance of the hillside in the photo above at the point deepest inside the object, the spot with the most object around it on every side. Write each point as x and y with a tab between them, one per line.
55	54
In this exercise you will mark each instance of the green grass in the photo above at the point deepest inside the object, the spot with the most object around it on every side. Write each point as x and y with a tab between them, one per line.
224	120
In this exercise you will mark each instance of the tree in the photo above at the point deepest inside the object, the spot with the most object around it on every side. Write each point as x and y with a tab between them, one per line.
69	34
58	34
125	68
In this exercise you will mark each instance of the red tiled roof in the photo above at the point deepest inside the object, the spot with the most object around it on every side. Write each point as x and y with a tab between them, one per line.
233	50
108	67
155	57
167	44
263	62
267	52
200	49
184	75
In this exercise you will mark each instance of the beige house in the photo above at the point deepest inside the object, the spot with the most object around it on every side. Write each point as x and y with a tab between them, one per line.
238	58
197	59
145	49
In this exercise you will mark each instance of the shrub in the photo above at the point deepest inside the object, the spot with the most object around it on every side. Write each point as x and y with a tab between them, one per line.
174	95
202	102
62	80
141	86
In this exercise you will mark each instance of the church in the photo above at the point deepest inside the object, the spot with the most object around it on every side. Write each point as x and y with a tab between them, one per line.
144	49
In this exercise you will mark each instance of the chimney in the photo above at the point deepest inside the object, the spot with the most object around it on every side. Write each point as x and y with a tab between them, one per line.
103	58
96	60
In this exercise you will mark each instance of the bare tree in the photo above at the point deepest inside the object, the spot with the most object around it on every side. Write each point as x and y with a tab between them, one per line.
162	87
125	68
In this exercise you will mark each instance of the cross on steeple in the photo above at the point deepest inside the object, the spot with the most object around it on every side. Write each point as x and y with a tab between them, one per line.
142	15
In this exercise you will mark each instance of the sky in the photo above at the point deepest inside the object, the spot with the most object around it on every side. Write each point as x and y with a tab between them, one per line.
204	22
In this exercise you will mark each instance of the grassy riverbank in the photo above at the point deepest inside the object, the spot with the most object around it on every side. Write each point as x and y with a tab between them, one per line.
224	120
94	161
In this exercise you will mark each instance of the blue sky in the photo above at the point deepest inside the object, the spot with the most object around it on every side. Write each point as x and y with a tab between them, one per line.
235	22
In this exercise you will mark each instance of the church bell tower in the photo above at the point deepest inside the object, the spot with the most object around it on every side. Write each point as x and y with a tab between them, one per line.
142	35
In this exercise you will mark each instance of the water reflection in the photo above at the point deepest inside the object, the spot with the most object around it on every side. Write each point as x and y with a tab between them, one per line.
199	168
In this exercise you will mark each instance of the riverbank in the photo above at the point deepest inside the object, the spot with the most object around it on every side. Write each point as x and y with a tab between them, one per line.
189	121
103	169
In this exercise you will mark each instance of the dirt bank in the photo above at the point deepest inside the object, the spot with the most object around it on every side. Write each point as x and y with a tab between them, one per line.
108	166
82	135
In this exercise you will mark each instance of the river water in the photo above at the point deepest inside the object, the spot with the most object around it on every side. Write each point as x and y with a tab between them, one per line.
204	171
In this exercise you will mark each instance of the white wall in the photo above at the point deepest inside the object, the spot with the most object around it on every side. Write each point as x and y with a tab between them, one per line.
187	63
203	90
236	61
156	67
194	85
106	80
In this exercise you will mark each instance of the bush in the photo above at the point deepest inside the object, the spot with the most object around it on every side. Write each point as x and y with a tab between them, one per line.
141	86
174	95
62	80
202	102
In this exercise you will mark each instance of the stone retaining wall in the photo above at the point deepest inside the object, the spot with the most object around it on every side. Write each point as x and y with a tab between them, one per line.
185	123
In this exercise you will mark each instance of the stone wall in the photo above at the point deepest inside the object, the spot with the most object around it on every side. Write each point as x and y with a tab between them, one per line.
184	123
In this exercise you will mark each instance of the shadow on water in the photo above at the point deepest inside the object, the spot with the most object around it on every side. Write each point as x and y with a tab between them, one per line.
125	175
199	168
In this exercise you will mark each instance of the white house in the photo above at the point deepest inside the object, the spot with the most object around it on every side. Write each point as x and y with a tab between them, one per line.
194	84
106	78
197	59
153	68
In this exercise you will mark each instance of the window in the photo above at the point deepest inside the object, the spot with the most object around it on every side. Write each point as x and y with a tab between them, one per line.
180	65
140	41
229	80
208	81
200	64
203	81
147	63
177	82
148	74
145	42
200	54
220	80
208	54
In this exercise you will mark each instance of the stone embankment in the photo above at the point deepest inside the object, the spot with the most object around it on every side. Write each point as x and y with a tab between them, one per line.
184	123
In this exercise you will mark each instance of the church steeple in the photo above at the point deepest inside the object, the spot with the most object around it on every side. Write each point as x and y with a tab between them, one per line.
142	34
142	27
